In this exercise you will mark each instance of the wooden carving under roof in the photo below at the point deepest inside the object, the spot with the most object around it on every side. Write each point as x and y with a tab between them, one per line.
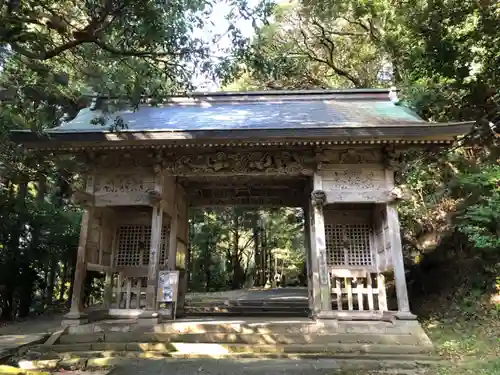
241	161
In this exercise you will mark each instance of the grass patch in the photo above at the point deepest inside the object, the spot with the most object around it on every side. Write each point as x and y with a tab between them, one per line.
471	346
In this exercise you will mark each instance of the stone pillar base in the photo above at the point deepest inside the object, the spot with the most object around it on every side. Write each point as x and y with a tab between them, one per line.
326	315
74	319
405	315
149	317
327	323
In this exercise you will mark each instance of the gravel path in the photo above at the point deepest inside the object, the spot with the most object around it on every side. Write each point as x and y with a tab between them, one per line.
227	367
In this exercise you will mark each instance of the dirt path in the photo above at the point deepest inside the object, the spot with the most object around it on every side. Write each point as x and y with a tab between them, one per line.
41	324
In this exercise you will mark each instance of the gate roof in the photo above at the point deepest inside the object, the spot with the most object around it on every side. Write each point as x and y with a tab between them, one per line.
317	116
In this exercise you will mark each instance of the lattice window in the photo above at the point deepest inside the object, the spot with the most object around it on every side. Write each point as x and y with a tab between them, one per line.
348	244
164	245
134	245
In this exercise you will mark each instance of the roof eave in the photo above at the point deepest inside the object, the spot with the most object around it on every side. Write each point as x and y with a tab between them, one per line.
446	132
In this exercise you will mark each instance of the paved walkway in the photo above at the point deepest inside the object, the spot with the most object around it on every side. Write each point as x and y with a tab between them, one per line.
227	367
245	367
17	334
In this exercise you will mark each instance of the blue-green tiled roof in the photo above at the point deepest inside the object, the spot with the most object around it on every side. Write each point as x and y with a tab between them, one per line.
268	114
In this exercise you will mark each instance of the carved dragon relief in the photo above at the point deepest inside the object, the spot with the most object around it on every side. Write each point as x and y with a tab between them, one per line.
277	162
328	157
235	161
124	183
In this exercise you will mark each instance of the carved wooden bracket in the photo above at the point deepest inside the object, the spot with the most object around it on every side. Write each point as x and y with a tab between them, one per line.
82	198
396	193
392	158
154	197
318	198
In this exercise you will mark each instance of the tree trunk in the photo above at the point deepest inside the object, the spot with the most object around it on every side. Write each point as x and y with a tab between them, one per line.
8	300
264	259
258	269
64	279
71	278
207	261
12	279
235	251
51	282
26	291
29	275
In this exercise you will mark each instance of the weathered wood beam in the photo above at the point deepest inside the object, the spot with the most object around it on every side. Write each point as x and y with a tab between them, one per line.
318	200
146	198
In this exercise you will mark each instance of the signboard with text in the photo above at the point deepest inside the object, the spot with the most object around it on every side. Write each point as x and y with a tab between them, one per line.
168	286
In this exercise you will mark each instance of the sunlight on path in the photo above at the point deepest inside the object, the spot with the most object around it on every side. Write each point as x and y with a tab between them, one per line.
16	334
42	324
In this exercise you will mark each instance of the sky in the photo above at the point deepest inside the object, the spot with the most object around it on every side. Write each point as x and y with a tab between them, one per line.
218	25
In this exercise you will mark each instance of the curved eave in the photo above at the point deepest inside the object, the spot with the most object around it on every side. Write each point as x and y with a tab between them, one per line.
415	133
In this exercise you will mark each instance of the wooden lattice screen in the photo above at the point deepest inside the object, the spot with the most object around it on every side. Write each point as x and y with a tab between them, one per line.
134	245
348	244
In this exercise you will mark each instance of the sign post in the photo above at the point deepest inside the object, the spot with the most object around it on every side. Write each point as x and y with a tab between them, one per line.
168	288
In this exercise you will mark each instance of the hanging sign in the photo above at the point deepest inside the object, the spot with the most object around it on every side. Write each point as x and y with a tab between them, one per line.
168	286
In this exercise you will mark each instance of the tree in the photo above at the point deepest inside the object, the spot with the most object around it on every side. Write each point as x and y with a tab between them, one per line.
444	56
224	240
300	49
56	58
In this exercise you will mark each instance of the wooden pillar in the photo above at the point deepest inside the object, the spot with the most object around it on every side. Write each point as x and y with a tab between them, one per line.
398	263
108	290
318	246
76	315
154	256
108	283
172	239
312	269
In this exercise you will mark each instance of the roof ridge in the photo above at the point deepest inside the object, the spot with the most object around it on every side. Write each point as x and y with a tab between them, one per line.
359	93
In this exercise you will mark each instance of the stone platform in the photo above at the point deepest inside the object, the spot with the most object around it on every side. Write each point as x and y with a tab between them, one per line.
112	342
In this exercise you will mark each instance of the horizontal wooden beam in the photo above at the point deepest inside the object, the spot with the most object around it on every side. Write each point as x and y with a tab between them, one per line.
342	272
358	196
98	268
103	199
353	315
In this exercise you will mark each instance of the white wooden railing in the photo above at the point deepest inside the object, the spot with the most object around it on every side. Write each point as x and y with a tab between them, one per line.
129	292
358	291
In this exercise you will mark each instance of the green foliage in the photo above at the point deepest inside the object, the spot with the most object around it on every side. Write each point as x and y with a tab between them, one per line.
481	220
302	50
55	55
234	247
444	55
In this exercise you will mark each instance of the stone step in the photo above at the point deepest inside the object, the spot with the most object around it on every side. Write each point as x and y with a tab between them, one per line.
94	360
247	308
243	338
269	326
250	303
243	311
180	348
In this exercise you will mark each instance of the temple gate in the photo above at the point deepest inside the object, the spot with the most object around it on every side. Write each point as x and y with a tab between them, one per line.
333	153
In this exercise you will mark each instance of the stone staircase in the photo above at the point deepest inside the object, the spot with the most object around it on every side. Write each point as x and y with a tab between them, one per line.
363	345
244	307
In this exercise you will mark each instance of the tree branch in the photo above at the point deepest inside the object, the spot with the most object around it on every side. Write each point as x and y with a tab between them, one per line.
132	53
48	54
330	47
